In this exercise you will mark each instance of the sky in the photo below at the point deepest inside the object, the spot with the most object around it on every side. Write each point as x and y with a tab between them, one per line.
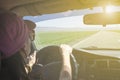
73	22
71	19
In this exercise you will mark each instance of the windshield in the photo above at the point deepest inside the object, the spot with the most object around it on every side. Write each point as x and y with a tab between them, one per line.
68	28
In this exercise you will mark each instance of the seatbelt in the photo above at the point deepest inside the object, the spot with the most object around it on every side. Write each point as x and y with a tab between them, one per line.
1	54
0	60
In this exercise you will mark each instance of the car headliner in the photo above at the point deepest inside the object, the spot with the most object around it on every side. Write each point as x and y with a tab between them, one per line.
38	7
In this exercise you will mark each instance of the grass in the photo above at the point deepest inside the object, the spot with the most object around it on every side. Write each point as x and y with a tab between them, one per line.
61	37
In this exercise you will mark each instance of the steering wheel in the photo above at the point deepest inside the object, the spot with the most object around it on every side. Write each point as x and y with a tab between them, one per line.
51	59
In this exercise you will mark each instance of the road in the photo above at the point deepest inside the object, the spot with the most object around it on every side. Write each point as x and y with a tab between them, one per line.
102	39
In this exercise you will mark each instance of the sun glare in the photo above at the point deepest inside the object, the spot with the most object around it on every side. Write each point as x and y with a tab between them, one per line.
109	9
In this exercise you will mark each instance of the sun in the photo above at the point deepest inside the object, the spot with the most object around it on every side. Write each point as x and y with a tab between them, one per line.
109	9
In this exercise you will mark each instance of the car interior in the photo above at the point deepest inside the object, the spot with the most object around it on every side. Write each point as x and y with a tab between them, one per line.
91	62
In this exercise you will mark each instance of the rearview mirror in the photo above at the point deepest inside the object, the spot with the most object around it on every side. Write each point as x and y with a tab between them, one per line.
102	18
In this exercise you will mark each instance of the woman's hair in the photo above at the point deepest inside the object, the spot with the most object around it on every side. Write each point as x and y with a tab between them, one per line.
12	68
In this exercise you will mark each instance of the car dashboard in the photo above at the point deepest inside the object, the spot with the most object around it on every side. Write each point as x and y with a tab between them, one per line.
96	67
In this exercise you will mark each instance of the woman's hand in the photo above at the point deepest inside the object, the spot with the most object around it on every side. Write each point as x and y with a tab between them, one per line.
32	59
65	49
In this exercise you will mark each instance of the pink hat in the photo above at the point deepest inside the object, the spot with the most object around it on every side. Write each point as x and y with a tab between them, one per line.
13	33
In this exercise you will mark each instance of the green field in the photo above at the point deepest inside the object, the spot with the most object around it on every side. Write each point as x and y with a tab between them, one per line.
56	38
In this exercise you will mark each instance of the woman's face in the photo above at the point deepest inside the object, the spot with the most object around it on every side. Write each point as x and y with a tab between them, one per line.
27	46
